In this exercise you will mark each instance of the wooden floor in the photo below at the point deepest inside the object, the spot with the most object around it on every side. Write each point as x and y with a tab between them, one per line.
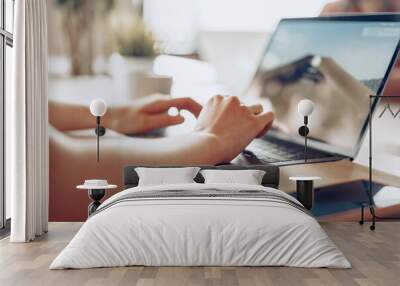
375	257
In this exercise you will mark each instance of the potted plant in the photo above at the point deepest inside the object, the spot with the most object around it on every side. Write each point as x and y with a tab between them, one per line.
134	42
132	65
78	20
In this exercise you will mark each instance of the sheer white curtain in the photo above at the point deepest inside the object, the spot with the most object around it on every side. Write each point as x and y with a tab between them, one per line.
27	122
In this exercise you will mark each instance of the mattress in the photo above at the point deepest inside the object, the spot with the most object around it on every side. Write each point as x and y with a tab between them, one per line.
201	225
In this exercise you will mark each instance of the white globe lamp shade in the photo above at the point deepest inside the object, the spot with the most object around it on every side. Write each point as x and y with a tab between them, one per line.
305	107
98	107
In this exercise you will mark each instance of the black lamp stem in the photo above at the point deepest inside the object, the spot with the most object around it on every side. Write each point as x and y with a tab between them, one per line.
370	152
98	137
373	100
305	139
370	199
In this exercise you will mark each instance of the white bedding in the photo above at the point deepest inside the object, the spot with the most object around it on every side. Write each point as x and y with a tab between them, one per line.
192	231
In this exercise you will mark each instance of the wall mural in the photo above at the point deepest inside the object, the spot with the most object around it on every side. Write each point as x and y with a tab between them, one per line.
109	76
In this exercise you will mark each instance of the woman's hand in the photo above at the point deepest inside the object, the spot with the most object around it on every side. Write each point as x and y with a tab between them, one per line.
148	114
231	126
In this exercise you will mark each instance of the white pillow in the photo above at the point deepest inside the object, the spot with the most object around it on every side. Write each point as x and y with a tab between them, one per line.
248	177
163	176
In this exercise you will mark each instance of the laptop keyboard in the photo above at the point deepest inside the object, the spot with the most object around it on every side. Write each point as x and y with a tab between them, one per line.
272	150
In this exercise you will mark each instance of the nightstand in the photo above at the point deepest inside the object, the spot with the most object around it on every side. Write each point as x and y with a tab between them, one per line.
96	190
305	190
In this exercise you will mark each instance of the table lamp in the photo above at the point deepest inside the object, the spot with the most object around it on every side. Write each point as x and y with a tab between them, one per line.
305	108
98	108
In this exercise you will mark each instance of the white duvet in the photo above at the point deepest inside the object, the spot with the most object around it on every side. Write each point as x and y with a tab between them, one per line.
200	231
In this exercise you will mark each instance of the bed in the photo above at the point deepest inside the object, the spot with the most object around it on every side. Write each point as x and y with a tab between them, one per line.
198	224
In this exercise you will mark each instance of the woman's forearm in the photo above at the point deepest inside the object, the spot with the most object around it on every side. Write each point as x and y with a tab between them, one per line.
69	116
136	117
196	148
66	116
192	148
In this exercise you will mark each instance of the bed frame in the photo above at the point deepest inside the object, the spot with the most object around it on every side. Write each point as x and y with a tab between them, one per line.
271	178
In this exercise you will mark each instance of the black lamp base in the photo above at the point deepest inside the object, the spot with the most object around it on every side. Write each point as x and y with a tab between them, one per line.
100	130
305	193
95	195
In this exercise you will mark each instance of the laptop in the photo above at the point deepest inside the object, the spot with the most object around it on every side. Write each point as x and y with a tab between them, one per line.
336	62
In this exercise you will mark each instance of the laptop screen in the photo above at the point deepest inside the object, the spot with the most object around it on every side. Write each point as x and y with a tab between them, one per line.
335	63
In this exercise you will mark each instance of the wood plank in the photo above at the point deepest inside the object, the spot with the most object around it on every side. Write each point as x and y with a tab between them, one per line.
375	257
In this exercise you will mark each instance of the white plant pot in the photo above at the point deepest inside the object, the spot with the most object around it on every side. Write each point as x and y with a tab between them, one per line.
121	65
134	78
143	84
138	64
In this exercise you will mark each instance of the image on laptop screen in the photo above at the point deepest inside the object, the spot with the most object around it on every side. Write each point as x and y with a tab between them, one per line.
336	64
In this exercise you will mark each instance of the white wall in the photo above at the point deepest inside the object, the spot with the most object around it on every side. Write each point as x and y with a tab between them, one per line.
177	22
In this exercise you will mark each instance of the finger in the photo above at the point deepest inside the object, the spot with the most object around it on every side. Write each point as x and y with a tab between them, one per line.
233	100
186	103
215	100
265	120
217	97
256	109
163	120
264	130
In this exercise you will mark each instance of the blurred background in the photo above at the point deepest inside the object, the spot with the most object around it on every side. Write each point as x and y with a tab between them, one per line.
224	39
121	50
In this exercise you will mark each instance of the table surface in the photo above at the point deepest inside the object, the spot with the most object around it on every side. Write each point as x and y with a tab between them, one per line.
305	178
82	187
332	173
